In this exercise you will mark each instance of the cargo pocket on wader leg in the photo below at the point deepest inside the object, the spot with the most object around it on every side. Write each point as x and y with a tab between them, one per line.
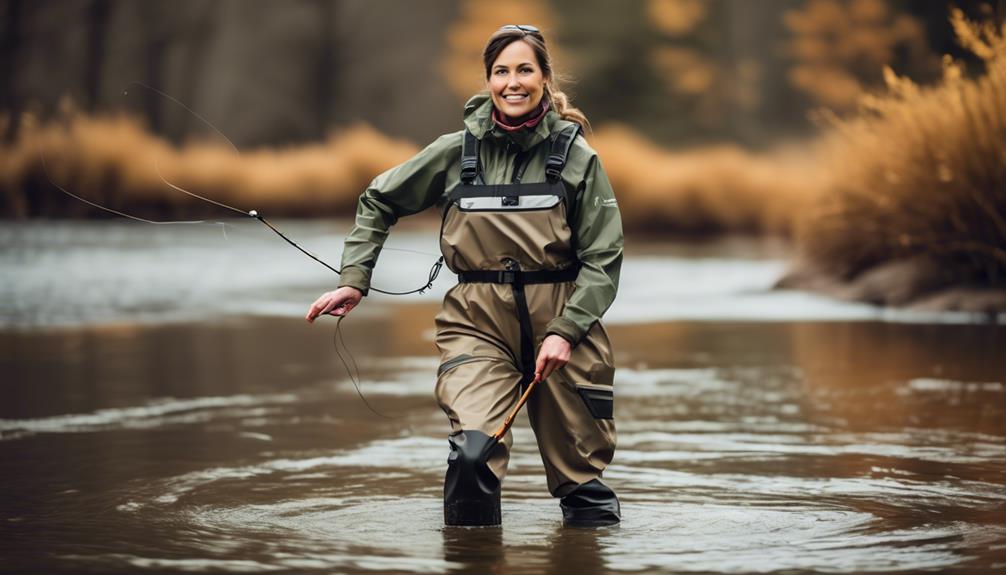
599	393
600	399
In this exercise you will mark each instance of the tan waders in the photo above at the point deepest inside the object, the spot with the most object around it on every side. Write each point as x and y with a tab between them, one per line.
513	250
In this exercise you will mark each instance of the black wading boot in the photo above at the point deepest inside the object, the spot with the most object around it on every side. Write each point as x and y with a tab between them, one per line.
591	504
471	489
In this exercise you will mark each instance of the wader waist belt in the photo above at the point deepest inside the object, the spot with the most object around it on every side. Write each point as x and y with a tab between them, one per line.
520	277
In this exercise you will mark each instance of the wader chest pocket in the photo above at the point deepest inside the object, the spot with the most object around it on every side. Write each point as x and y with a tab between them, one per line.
509	203
599	400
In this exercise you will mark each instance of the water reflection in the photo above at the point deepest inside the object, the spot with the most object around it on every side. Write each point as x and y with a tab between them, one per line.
474	551
241	446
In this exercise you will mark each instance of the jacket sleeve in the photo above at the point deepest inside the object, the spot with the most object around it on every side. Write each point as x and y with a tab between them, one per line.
406	189
597	231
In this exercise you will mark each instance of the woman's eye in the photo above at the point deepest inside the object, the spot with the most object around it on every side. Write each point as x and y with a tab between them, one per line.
500	72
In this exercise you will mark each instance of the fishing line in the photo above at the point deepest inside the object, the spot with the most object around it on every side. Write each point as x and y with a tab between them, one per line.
336	340
337	336
255	214
434	271
157	168
45	170
190	110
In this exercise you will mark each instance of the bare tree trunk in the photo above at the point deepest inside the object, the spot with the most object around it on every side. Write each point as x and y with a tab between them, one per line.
97	24
206	18
9	45
154	60
325	67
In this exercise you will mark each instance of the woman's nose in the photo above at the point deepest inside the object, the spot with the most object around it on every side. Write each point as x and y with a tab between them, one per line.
512	82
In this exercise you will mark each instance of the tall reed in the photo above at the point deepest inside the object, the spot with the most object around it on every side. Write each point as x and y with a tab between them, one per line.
115	161
921	172
722	189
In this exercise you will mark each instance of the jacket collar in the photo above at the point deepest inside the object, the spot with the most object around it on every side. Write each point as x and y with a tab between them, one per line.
479	121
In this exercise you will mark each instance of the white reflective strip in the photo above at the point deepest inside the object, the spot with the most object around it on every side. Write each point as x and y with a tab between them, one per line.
523	203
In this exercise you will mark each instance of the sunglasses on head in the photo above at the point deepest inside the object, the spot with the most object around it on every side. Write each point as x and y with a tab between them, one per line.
525	28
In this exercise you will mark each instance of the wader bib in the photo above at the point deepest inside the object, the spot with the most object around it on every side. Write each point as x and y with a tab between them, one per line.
511	246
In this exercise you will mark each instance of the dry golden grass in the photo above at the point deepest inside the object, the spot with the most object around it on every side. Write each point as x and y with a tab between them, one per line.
921	172
116	162
704	191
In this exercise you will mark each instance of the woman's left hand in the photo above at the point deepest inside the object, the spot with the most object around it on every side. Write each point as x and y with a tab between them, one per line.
554	353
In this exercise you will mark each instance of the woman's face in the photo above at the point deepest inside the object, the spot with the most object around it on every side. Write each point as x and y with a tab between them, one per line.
516	81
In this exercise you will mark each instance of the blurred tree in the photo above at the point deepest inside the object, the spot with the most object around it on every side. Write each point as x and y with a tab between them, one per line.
153	64
466	38
10	42
606	57
839	48
97	24
677	18
268	73
687	55
325	66
760	104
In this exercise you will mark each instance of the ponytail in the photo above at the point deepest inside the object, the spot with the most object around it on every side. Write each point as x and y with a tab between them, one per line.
560	103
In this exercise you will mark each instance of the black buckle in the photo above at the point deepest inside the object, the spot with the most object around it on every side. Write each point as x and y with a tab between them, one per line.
469	169
506	276
553	171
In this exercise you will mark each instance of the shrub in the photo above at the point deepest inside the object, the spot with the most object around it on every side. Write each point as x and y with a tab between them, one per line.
921	172
116	162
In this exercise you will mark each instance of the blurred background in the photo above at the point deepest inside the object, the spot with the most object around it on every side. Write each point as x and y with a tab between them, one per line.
869	132
267	74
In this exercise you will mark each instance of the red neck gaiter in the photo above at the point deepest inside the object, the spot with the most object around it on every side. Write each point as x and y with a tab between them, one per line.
535	119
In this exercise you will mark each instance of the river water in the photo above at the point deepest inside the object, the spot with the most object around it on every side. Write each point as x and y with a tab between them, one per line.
166	409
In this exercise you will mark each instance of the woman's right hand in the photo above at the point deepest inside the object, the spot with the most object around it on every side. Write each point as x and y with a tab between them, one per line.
337	302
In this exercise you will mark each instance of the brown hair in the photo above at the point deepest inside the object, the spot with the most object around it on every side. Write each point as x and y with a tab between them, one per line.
509	34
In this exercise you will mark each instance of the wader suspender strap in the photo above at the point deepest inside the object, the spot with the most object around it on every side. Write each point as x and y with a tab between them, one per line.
469	158
560	151
513	275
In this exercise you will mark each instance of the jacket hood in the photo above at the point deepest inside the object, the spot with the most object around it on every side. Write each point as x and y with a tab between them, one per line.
478	119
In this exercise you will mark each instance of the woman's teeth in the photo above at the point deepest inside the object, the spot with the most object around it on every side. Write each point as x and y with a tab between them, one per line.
514	98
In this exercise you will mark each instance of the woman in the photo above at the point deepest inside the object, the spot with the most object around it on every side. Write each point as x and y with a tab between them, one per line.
532	228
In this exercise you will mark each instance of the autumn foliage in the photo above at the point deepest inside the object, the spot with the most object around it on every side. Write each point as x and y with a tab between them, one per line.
116	162
921	171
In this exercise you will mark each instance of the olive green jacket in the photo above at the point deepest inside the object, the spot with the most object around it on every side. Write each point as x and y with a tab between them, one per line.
422	181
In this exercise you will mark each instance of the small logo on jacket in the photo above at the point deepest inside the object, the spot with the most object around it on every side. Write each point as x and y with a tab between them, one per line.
608	203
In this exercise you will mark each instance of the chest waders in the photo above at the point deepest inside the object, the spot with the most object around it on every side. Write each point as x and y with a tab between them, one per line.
512	247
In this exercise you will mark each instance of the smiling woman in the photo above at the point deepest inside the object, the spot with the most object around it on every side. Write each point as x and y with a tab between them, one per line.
517	84
532	228
520	79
